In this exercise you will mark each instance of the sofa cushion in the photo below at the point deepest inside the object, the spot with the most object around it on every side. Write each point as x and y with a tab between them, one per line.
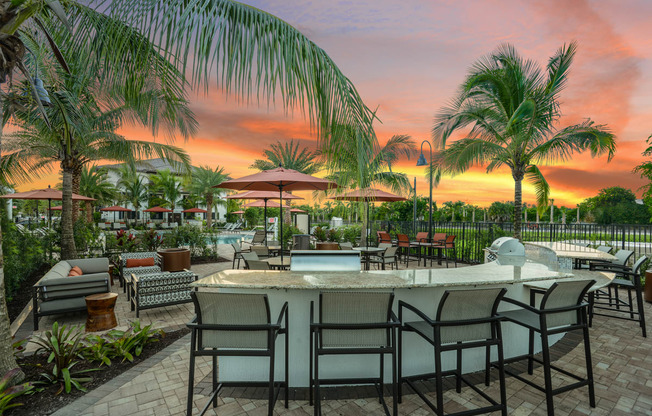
96	265
149	261
58	271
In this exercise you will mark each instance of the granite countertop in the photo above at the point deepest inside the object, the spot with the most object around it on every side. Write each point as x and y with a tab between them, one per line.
571	250
483	274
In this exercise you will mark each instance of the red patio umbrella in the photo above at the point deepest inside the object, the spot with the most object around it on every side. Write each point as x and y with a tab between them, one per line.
238	212
157	209
368	195
47	193
261	204
296	210
194	210
114	209
279	179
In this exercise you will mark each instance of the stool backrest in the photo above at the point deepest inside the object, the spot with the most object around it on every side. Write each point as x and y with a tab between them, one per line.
605	249
639	263
565	294
622	257
403	240
422	237
257	265
450	241
390	252
466	305
260	250
234	309
355	308
438	237
384	245
236	248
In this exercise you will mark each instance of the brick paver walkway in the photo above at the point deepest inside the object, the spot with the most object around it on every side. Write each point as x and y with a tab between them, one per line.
621	357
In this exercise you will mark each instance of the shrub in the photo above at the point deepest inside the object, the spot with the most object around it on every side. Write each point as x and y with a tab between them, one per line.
320	234
334	235
350	233
63	347
151	240
191	236
119	344
9	391
288	232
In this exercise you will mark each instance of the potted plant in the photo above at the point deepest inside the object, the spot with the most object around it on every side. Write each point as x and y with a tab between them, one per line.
333	237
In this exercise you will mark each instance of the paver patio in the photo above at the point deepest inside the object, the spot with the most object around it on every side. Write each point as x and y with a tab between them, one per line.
621	357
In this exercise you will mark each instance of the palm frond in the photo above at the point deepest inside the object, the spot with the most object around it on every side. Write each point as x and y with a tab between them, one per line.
541	187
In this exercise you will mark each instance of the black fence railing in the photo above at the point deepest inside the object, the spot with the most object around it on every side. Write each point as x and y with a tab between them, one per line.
472	237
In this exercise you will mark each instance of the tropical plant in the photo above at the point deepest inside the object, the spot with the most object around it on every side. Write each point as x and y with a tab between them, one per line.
204	181
9	390
151	240
132	185
63	348
168	185
645	170
130	343
512	106
289	156
93	183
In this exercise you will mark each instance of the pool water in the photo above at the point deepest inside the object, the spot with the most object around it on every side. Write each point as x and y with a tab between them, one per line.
228	238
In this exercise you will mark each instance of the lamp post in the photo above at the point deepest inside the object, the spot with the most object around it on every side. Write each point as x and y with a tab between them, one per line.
422	162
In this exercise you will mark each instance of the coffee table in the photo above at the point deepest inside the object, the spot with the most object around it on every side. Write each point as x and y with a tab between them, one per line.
101	315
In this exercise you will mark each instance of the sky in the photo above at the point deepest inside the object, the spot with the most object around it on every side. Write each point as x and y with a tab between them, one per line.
407	58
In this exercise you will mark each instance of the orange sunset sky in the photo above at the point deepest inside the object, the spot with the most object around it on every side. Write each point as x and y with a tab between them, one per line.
408	57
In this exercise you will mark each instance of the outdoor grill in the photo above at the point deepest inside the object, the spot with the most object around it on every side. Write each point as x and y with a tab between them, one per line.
325	261
505	250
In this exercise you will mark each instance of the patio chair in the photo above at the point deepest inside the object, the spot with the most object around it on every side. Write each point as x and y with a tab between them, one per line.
605	249
464	319
261	251
353	323
249	256
449	246
561	310
258	265
258	238
346	246
234	324
237	254
422	237
384	245
627	279
383	237
387	257
126	271
403	243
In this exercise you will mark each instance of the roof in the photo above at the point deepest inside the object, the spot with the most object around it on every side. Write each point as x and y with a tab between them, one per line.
151	166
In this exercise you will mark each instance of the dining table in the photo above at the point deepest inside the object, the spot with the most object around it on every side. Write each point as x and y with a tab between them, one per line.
367	252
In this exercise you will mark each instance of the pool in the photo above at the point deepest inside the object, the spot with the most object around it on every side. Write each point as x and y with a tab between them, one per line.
228	238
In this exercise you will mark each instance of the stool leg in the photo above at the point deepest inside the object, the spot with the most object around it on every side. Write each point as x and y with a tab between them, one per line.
270	403
399	359
214	370
458	372
191	375
487	364
394	381
547	373
382	378
589	364
641	310
438	381
530	361
310	370
501	370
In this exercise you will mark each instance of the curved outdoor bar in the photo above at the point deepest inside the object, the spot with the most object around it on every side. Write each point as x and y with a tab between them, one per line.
422	288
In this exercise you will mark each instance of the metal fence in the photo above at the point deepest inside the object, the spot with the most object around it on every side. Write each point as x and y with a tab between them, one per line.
472	237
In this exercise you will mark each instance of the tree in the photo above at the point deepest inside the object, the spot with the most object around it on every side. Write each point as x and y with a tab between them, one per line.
132	185
166	183
289	155
616	205
512	107
204	181
94	184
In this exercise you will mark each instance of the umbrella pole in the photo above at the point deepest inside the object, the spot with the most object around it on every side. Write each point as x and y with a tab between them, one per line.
265	220
280	188
368	225
50	213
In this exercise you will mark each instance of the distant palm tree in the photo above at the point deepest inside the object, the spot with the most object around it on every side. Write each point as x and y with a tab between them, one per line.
133	186
167	184
512	107
204	180
289	155
94	184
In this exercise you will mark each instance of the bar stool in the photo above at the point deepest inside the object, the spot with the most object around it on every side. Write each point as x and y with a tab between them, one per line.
353	323
465	319
561	310
234	324
627	279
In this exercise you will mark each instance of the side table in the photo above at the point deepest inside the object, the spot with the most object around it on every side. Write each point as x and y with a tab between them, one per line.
101	315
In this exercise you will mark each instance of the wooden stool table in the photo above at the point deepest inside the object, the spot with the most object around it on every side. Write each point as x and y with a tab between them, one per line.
100	312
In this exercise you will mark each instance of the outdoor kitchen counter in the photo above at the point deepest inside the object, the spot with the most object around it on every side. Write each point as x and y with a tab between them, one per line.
422	288
483	274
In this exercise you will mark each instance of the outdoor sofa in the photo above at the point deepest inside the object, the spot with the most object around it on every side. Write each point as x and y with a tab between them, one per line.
160	289
58	293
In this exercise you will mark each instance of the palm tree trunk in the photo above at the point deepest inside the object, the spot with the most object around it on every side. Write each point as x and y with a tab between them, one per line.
365	224
209	208
7	359
518	200
76	181
68	249
89	212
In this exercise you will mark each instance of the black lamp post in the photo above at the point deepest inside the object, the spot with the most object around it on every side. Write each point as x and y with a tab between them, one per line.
422	162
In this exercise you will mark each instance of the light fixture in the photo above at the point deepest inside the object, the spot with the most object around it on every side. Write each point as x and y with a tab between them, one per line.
37	82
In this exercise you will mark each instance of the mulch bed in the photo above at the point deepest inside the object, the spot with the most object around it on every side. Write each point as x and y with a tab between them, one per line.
23	295
47	401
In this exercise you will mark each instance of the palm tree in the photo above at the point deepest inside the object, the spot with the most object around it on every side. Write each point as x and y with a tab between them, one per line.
290	157
94	184
123	40
166	183
204	181
132	185
513	106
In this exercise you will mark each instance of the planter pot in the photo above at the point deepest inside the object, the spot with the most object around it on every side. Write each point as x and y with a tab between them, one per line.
647	294
175	259
328	246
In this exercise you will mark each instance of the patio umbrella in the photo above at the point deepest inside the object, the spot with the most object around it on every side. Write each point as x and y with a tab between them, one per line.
265	196
261	204
238	212
368	195
194	211
157	209
296	210
114	209
44	194
279	180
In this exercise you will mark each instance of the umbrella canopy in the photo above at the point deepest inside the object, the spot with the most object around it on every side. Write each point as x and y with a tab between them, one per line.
262	195
279	179
263	204
238	212
194	210
368	195
157	209
115	208
59	208
296	210
47	193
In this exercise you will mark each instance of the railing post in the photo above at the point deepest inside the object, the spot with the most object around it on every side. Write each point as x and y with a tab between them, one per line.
463	239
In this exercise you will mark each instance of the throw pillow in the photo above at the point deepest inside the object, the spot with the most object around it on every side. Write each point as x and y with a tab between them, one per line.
149	261
75	271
